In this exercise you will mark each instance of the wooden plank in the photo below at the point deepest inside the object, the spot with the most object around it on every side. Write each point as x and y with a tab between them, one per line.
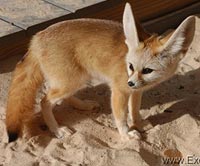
29	12
13	47
144	9
150	9
72	5
12	39
171	20
7	28
31	30
100	10
113	12
14	43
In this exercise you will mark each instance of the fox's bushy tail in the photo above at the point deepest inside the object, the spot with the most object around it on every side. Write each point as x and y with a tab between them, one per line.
26	80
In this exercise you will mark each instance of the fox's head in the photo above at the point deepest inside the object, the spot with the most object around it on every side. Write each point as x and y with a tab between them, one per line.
156	58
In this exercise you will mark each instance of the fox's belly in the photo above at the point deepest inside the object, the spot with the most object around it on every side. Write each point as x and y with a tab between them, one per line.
97	79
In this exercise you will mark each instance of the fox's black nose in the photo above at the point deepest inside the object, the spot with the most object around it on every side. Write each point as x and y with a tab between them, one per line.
130	83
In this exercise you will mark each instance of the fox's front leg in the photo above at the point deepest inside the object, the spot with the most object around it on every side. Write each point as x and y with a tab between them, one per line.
134	109
119	102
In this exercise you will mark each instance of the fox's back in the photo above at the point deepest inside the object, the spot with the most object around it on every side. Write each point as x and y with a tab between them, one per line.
92	44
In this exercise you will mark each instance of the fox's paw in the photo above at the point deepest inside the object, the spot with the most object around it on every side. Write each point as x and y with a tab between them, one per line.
91	105
133	134
63	132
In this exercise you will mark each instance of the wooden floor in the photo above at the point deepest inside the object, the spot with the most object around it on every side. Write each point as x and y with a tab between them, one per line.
20	19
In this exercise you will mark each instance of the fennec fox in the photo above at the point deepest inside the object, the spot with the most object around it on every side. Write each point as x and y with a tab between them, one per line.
72	53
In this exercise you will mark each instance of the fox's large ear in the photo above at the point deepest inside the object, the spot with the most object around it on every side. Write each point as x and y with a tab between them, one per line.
129	25
181	38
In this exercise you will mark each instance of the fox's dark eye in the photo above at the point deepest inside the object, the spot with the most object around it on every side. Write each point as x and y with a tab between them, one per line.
131	67
147	71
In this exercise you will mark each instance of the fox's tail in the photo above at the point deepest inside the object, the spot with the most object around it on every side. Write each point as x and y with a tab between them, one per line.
22	93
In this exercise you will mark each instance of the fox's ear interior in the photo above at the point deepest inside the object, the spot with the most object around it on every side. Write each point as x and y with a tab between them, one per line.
129	25
181	38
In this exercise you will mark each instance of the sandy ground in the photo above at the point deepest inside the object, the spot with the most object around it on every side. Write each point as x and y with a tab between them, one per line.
172	107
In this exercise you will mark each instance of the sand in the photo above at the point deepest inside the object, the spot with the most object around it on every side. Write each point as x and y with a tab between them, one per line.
173	109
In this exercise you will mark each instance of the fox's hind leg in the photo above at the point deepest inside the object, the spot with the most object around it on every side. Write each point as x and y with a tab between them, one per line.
87	105
61	87
48	103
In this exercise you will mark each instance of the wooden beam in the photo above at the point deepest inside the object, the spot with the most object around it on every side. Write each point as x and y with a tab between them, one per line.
171	20
151	9
12	39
